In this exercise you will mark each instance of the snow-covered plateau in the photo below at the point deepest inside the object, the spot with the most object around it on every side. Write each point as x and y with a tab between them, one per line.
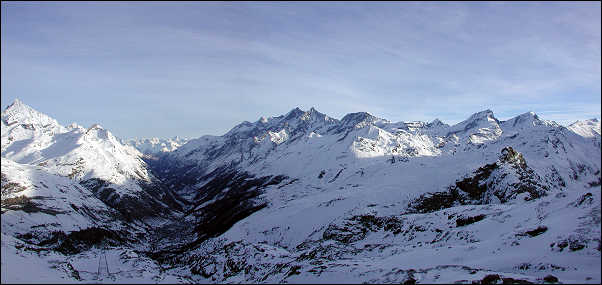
303	198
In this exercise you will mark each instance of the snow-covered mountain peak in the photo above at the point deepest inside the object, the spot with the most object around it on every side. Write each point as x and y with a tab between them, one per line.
482	115
294	113
586	128
241	129
285	199
479	127
314	115
358	120
19	112
367	136
525	120
155	145
16	102
22	123
294	122
436	122
96	131
74	126
311	113
31	137
95	127
528	116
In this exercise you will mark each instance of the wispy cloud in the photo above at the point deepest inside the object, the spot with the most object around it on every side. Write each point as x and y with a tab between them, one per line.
198	68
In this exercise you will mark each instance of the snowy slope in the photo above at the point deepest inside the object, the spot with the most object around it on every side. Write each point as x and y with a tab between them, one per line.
44	213
304	197
587	128
302	145
92	157
37	202
286	180
25	263
31	137
557	235
70	189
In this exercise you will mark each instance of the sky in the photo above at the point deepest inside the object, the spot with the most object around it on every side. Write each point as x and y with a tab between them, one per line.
161	69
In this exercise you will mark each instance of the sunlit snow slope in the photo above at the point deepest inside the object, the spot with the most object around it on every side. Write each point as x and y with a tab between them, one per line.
304	197
315	199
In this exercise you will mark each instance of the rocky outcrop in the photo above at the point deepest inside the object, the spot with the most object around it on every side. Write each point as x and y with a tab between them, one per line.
498	182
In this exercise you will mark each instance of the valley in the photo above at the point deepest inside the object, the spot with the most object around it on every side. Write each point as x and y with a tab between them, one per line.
303	198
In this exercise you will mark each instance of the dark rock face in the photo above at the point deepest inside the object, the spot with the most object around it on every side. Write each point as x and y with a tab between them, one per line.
216	199
509	280
463	221
497	279
490	279
432	202
10	187
473	185
27	204
357	227
230	259
228	197
321	175
176	173
76	241
138	207
574	243
509	155
488	184
551	279
539	230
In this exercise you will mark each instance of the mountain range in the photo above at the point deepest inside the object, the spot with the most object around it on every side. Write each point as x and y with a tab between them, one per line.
303	198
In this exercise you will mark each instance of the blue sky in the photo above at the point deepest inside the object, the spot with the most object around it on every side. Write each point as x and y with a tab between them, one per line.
195	68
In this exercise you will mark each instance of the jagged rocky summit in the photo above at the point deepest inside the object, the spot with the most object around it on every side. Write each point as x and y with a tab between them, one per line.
304	197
